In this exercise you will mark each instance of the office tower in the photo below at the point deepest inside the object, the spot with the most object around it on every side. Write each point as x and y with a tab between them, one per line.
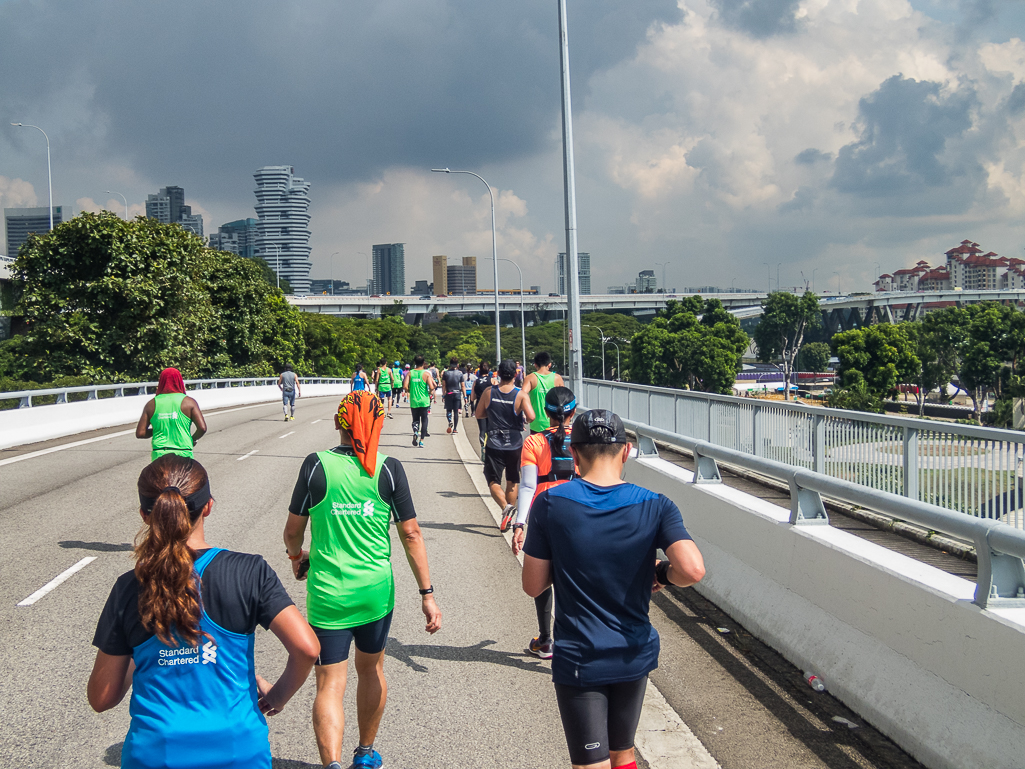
191	222
158	206
283	227
238	237
583	272
646	282
421	288
390	269
168	206
440	274
462	278
22	222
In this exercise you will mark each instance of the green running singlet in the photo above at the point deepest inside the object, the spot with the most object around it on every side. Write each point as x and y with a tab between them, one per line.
384	380
545	382
419	398
171	428
350	582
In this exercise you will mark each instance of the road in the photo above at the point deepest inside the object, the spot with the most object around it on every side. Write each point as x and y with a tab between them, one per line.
468	696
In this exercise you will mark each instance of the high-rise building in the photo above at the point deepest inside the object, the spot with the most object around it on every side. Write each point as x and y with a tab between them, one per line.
168	206
238	237
646	282
191	222
390	269
283	229
583	272
462	278
440	274
22	222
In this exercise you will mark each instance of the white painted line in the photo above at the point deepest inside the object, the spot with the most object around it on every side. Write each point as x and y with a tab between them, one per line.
663	739
57	581
315	421
246	456
286	435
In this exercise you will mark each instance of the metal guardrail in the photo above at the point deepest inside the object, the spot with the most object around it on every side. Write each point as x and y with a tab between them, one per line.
1000	548
142	388
976	471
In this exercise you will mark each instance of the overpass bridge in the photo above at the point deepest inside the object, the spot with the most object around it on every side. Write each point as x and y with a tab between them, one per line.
910	653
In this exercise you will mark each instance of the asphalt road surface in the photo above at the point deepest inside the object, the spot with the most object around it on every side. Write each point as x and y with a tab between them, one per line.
468	696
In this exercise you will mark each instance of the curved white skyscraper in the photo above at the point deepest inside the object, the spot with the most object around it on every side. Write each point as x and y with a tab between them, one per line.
283	208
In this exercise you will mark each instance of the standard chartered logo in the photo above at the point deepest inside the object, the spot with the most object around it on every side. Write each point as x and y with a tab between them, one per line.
368	508
365	509
187	655
209	653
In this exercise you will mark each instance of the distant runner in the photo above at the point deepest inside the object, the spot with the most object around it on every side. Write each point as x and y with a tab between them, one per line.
483	383
595	539
420	387
397	375
359	379
288	383
546	462
350	495
536	385
469	379
452	387
382	378
168	418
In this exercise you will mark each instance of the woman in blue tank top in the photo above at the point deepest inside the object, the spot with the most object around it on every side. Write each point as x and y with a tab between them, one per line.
196	702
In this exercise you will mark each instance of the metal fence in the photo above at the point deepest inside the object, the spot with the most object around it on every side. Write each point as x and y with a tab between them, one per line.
92	392
972	470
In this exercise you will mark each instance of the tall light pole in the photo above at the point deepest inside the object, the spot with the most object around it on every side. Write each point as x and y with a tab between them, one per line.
494	255
523	321
576	364
111	192
603	339
336	253
617	357
367	276
49	176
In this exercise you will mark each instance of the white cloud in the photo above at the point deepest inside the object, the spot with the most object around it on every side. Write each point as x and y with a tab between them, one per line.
17	193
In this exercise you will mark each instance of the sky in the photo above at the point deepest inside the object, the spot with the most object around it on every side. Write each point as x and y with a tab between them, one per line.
730	140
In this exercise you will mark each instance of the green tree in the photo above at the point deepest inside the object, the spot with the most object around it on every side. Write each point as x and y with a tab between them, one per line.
468	347
878	357
815	356
681	349
780	331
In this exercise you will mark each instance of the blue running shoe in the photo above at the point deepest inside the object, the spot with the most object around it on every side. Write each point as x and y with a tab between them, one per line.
371	760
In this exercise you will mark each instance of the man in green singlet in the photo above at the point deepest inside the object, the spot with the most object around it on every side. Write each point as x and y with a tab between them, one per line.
168	418
383	380
536	387
396	383
420	387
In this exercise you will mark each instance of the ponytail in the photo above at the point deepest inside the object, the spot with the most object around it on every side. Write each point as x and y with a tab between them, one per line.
173	491
559	438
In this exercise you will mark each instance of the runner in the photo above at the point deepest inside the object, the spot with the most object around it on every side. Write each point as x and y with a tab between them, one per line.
178	631
382	378
419	387
396	383
359	379
288	383
519	374
452	387
504	405
405	373
435	374
169	416
483	383
545	462
595	539
539	383
350	495
469	379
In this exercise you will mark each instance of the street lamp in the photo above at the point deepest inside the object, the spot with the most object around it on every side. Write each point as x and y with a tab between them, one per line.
111	192
494	254
336	253
367	276
603	339
523	322
617	357
49	176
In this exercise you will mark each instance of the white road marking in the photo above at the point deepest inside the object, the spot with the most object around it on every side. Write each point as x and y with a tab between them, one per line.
57	581
51	450
663	739
315	421
246	456
286	435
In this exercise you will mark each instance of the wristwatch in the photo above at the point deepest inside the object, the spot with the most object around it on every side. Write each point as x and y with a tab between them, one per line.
518	525
427	591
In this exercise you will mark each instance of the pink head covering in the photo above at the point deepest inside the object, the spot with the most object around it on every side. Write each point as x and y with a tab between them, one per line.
170	382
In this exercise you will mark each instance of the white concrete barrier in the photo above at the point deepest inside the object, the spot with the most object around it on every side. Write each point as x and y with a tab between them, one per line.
898	641
41	423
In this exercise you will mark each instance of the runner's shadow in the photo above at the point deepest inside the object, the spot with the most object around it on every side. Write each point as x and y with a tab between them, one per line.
462	528
112	755
288	763
453	494
100	547
476	653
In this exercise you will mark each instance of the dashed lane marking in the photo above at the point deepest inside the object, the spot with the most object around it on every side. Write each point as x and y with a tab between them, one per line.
286	435
246	456
57	581
315	421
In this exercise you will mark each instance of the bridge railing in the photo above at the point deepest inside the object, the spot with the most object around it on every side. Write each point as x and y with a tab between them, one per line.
974	471
92	392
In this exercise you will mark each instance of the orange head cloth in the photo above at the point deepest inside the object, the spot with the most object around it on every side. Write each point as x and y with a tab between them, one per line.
361	415
170	382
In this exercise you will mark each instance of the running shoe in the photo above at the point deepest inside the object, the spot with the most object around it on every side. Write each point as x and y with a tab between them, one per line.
286	417
449	429
416	435
390	416
371	760
542	650
334	765
507	517
421	444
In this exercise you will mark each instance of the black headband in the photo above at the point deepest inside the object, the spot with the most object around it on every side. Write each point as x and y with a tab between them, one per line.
195	502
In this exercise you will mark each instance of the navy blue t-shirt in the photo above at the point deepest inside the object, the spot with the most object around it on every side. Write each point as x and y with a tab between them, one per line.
601	541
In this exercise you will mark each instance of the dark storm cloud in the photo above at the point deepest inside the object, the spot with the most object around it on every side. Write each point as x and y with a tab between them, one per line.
759	18
338	89
1016	101
811	156
904	155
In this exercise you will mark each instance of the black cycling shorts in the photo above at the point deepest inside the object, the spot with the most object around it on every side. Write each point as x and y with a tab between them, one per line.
453	401
335	643
498	460
598	719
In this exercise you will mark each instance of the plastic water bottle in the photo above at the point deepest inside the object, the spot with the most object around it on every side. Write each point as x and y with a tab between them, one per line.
814	682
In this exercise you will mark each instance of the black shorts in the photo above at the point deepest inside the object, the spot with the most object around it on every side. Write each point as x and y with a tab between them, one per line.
497	460
597	719
335	643
453	401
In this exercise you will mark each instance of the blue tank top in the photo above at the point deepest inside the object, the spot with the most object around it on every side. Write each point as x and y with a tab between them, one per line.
359	382
196	708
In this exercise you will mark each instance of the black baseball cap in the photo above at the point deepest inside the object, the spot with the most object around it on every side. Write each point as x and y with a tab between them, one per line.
507	369
597	426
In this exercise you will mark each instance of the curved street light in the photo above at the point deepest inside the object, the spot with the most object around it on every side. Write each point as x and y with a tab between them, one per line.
603	340
523	322
111	192
49	176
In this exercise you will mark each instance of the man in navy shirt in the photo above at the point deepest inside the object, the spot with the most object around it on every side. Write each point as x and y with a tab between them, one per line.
595	539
